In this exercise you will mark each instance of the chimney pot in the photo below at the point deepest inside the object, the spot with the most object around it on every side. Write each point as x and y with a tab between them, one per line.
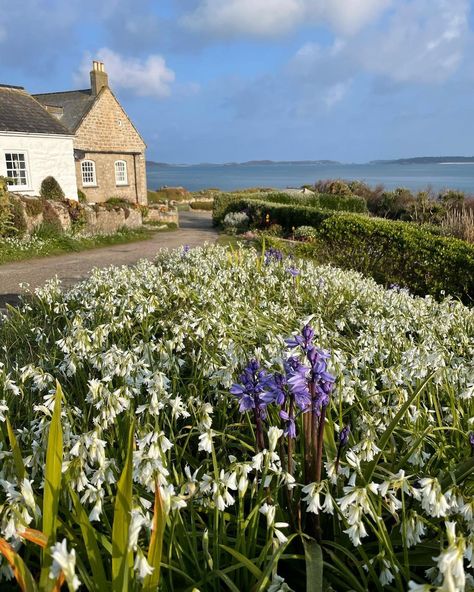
99	77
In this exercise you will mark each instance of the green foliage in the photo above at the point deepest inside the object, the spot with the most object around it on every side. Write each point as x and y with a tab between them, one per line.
397	253
118	201
305	233
201	205
81	196
51	189
6	215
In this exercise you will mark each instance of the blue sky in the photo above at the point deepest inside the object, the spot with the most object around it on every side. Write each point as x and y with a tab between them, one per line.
235	80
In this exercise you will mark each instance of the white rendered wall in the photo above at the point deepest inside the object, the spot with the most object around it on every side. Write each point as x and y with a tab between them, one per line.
45	156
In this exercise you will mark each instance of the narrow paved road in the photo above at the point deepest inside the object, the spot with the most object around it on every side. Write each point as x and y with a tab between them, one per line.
195	229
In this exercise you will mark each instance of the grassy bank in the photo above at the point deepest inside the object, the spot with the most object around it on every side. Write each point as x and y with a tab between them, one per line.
44	245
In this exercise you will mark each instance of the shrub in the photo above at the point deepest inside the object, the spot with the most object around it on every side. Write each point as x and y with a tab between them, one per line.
334	187
81	196
236	222
51	189
201	205
121	202
274	230
6	214
398	253
305	233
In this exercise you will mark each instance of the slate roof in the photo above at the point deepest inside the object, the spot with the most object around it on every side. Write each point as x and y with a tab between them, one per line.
75	105
20	112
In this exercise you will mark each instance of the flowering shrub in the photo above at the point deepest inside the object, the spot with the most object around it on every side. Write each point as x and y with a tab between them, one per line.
220	413
305	233
236	221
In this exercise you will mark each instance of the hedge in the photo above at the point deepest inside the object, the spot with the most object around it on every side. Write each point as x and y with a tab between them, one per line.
402	253
322	201
201	205
287	215
394	254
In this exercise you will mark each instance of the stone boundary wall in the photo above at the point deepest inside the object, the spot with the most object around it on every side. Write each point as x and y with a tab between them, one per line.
83	219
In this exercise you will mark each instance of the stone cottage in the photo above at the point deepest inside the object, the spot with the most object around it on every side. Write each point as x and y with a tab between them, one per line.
33	145
109	152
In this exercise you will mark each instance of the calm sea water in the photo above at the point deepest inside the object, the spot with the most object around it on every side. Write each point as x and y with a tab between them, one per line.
228	177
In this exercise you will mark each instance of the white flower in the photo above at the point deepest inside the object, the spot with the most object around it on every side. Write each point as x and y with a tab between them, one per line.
451	561
205	441
141	566
274	434
64	562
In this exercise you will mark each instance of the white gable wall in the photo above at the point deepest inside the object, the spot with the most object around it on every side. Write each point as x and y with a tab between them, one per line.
46	155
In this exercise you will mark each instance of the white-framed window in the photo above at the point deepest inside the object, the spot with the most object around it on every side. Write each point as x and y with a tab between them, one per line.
16	169
121	172
88	173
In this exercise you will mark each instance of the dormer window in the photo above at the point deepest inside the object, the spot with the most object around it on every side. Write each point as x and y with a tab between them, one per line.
88	173
121	172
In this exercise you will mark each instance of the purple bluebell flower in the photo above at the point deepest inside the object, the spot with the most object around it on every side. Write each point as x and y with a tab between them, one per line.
305	340
290	426
252	390
273	254
277	384
344	435
293	271
471	442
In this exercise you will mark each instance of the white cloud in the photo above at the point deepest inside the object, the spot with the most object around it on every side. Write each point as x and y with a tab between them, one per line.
144	78
267	18
424	41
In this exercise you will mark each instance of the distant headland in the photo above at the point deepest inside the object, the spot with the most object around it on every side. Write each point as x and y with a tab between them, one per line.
415	160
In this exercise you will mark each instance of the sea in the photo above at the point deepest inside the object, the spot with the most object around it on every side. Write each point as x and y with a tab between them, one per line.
228	177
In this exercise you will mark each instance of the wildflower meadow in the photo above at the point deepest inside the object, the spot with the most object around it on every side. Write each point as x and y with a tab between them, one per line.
236	420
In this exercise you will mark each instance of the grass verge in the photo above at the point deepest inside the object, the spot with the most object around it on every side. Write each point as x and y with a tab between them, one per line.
14	249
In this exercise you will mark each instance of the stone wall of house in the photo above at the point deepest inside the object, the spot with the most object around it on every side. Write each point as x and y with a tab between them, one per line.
105	178
105	135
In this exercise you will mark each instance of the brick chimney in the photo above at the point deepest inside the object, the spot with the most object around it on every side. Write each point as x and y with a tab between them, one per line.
99	77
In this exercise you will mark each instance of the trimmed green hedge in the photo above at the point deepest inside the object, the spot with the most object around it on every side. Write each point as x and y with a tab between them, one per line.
320	201
402	253
394	253
201	205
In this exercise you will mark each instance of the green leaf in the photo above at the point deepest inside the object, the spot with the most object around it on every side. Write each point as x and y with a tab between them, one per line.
22	574
90	543
122	558
462	471
245	561
151	582
17	457
393	424
264	581
52	487
314	566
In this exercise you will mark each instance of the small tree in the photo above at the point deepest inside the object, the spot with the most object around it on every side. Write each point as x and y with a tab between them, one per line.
51	189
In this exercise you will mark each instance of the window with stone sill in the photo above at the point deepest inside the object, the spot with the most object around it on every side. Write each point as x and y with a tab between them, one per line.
88	173
121	172
16	169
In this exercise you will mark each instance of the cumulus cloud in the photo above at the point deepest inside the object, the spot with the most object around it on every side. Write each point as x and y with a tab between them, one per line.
144	78
267	18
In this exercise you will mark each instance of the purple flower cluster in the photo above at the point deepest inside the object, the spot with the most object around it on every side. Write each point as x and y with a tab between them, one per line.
253	389
301	388
312	382
273	255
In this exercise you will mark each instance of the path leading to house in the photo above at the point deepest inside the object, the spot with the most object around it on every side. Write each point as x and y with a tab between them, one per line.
195	229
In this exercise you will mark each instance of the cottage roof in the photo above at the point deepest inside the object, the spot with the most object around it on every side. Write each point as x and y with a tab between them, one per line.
20	112
75	104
